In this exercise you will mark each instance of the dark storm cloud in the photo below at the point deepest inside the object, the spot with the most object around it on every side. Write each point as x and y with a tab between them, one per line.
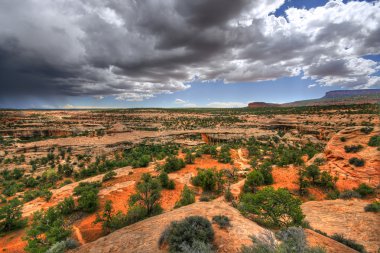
137	49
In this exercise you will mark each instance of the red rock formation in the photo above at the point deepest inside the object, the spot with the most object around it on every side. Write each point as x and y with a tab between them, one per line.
261	104
338	160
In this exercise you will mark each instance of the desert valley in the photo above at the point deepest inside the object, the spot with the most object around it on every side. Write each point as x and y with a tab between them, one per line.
114	180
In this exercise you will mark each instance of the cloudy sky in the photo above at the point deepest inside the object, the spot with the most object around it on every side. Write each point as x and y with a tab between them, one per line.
175	53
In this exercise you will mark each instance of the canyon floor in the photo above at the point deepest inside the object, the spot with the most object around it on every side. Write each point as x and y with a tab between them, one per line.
43	144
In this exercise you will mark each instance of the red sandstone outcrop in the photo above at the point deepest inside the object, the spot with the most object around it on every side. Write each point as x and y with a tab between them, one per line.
261	104
345	217
338	159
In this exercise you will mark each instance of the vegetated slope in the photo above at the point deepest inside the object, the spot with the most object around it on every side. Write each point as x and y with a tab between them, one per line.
338	160
345	217
144	235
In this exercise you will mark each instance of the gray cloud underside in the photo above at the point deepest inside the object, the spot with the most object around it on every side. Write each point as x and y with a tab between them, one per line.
136	49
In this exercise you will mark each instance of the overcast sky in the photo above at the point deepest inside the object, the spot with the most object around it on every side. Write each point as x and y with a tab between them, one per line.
176	53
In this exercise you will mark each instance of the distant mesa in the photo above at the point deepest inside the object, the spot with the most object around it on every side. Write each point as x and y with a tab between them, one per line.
335	97
349	93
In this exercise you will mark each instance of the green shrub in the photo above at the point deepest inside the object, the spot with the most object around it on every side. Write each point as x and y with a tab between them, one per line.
106	217
254	179
373	207
66	170
348	242
187	197
266	170
11	216
189	158
364	190
273	207
165	182
343	139
46	194
313	173
334	194
88	196
109	175
173	164
206	179
30	195
86	186
209	150
302	182
366	130
353	148
185	235
224	155
88	201
47	229
204	198
374	141
327	181
347	194
319	161
67	206
222	221
356	162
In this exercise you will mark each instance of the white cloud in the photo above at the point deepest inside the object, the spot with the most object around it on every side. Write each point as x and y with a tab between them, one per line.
179	101
70	106
136	50
226	104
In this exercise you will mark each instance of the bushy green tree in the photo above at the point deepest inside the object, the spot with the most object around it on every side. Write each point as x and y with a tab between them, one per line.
313	173
206	179
88	196
254	179
47	228
106	217
148	194
327	181
273	207
266	170
302	182
11	216
173	164
67	206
